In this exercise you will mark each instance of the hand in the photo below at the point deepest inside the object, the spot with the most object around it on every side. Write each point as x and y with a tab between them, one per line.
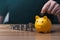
51	7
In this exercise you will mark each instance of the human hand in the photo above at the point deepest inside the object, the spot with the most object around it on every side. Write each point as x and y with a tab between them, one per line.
51	7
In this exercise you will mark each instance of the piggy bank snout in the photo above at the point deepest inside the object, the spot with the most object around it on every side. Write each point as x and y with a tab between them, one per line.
40	25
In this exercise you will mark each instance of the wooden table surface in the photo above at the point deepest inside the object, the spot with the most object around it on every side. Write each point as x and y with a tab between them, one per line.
8	34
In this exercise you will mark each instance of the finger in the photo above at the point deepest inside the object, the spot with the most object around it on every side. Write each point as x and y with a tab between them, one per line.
55	8
53	3
58	12
50	0
45	7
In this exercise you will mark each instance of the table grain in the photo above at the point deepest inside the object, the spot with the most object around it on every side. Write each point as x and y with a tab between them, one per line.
9	34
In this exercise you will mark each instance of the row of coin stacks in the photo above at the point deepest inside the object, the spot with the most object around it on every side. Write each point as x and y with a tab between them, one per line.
24	27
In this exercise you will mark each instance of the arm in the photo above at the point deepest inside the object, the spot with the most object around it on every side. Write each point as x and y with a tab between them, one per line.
1	19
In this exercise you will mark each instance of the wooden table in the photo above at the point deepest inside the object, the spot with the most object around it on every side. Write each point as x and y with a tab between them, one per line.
8	34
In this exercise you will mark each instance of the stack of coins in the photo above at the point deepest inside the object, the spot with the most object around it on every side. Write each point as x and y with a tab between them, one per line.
30	26
22	26
25	27
12	26
17	26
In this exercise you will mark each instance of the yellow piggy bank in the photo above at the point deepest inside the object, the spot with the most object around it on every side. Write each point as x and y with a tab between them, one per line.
42	24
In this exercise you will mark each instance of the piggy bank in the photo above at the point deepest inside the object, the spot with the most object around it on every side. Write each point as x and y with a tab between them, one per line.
42	24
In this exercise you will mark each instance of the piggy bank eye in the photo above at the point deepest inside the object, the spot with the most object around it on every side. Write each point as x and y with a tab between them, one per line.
37	21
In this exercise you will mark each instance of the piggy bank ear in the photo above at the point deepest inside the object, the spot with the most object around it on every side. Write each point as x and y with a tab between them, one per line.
45	17
36	17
